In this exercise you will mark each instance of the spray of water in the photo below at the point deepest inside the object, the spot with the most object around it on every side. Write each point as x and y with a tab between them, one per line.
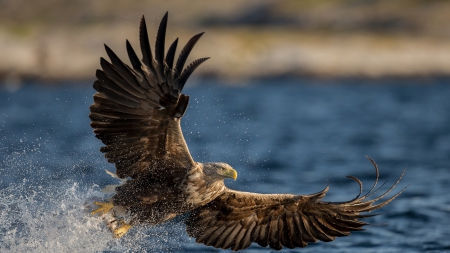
38	214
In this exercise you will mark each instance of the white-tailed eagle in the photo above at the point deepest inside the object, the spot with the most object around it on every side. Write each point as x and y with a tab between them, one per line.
137	112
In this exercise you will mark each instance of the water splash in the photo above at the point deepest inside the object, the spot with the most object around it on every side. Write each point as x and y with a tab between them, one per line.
54	219
37	218
43	213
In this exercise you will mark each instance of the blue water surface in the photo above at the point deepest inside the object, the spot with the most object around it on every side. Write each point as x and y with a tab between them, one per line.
282	136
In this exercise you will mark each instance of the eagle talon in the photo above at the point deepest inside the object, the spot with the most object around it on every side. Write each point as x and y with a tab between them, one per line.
119	232
104	207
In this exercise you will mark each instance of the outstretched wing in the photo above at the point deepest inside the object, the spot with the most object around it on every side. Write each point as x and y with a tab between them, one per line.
236	219
137	110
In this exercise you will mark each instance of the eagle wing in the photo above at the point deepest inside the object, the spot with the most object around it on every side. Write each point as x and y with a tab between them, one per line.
236	219
137	110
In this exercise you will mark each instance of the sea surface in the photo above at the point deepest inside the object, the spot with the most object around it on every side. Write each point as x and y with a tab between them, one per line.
281	135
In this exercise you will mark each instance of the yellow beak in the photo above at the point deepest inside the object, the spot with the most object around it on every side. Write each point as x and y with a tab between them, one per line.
232	174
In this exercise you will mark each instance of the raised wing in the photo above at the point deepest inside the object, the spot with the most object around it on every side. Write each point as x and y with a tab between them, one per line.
137	110
236	219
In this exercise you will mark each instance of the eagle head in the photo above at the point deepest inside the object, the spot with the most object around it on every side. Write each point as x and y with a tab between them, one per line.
219	171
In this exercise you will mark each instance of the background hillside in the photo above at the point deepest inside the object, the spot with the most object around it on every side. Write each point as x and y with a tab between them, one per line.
63	39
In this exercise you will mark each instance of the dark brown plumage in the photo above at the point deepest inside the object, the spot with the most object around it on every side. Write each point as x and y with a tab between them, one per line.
136	114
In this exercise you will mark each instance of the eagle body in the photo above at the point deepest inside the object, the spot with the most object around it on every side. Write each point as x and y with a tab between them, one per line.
154	199
137	112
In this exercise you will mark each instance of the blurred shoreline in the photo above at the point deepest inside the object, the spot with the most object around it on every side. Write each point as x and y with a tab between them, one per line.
256	39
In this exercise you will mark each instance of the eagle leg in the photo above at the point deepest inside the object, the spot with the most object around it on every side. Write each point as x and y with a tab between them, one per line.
123	229
104	207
